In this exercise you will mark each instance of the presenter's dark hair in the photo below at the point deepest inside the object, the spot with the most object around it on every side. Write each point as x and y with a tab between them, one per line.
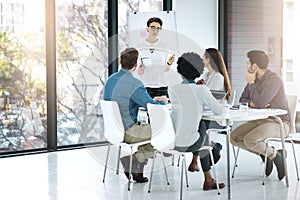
129	58
190	65
154	19
259	57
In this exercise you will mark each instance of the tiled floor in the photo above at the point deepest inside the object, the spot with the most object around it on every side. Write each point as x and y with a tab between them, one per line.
77	175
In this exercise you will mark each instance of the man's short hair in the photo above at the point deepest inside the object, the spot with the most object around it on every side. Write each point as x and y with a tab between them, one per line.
259	57
129	58
154	19
190	65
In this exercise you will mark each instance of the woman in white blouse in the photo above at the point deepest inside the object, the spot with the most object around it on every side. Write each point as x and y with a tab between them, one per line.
215	77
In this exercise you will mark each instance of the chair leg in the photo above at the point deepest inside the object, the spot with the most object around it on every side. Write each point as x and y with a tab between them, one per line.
296	165
215	171
181	175
265	164
173	160
118	161
130	166
151	174
185	170
178	161
166	174
105	168
236	155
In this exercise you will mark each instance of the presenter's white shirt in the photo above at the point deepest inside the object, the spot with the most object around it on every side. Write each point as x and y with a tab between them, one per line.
155	57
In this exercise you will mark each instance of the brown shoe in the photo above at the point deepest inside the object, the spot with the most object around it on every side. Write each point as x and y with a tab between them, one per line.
193	167
212	185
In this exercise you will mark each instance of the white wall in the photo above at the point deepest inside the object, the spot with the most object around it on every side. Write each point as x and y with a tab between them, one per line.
197	24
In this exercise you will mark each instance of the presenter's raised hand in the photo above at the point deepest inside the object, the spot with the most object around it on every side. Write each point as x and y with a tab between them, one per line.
141	68
170	61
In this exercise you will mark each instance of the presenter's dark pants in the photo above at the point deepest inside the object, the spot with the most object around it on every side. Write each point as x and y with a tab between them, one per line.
157	92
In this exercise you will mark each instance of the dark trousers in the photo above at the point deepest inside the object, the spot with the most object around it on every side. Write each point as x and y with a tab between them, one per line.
157	92
203	140
213	124
206	124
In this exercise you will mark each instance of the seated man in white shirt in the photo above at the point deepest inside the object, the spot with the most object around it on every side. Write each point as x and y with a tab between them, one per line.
188	100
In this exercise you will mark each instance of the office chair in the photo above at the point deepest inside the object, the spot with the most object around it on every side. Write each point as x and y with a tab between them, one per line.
114	133
163	140
292	102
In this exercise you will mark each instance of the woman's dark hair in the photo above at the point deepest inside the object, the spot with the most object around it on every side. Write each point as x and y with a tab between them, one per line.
259	57
218	64
190	65
129	58
154	19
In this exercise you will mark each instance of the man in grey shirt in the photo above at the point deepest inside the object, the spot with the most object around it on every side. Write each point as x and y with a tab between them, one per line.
264	89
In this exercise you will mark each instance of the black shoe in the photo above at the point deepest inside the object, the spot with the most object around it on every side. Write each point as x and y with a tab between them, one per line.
139	177
269	166
137	171
278	160
125	162
216	151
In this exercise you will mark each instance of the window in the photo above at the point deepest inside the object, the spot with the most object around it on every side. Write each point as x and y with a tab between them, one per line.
22	75
290	51
81	69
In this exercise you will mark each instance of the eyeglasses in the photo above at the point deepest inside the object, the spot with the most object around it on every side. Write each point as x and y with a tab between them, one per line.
153	28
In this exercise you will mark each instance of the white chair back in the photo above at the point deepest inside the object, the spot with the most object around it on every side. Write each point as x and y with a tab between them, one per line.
113	125
292	102
163	134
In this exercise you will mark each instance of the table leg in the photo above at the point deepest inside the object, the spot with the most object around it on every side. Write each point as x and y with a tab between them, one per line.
228	165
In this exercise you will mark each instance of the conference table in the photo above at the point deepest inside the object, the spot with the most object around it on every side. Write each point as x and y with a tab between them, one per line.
232	116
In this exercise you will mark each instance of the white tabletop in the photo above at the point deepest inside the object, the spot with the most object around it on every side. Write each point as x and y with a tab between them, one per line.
237	115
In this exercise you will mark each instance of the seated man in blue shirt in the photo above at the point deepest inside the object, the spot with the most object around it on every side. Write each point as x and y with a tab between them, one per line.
130	94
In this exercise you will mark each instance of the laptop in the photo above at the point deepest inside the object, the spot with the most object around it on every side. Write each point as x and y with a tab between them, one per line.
219	95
